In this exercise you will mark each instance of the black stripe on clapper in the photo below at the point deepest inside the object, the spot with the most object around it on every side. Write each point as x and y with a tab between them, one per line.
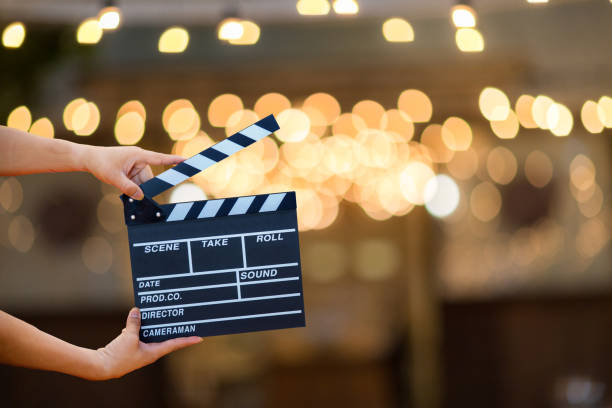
214	154
268	123
154	186
226	207
288	202
195	210
257	203
241	139
186	169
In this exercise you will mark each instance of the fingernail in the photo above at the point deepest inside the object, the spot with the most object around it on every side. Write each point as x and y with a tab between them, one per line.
135	314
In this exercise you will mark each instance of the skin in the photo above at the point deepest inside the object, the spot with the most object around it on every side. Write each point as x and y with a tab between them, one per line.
22	344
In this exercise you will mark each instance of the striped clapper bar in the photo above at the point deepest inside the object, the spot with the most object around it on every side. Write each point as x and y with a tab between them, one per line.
215	267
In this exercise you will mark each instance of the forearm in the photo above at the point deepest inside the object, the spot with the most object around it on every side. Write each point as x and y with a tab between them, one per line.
22	344
23	153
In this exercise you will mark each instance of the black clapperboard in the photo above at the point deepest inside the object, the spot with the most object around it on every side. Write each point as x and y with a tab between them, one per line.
212	267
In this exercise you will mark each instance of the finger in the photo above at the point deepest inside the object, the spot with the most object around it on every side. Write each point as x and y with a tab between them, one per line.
131	189
132	325
145	174
160	159
168	346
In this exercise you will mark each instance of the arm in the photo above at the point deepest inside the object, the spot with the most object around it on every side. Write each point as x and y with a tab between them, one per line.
122	166
22	344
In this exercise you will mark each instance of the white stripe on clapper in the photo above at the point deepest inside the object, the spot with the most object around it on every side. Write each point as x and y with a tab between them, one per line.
173	177
200	162
228	147
242	205
255	132
210	208
272	202
179	211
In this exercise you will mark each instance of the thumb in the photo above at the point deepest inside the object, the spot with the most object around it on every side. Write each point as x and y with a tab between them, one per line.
131	189
133	321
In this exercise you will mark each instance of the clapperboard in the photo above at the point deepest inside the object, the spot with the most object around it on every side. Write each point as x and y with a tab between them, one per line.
215	267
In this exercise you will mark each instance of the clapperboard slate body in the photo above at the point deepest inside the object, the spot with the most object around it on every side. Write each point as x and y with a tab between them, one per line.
215	267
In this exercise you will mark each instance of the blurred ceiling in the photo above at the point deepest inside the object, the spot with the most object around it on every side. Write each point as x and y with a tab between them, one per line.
209	11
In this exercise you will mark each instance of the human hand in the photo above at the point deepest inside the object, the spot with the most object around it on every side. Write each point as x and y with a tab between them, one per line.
127	353
125	167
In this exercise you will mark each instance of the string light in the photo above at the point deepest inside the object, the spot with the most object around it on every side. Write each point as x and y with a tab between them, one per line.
109	18
13	35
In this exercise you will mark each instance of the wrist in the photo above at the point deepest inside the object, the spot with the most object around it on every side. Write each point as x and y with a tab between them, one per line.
95	368
83	156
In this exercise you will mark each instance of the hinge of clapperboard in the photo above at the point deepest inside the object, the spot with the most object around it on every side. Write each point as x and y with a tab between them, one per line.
147	211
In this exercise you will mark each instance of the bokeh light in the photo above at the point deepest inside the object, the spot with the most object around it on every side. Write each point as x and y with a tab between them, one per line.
413	182
464	164
469	40
187	192
313	7
524	113
416	104
20	118
539	110
456	134
592	236
89	32
397	30
69	110
376	259
326	104
370	111
398	122
346	6
592	207
590	117
294	125
13	35
485	201
222	107
443	196
85	119
538	169
240	120
494	104
604	110
501	165
97	254
43	127
109	18
173	40
507	128
129	128
230	29
11	194
463	16
110	213
270	103
181	120
250	34
21	233
432	139
582	172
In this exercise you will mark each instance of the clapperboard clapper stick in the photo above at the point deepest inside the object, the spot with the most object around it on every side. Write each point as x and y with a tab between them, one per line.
215	267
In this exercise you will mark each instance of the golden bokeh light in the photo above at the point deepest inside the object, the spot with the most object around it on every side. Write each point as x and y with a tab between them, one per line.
222	107
173	40
494	104
485	201
97	254
302	155
443	196
538	169
294	125
560	119
339	155
69	112
309	209
590	117
524	113
187	192
346	6
539	110
85	119
11	195
20	118
313	7
582	196
604	111
398	122
270	103
432	139
89	32
240	120
250	34
133	106
413	180
469	40
463	16
375	148
318	123
592	236
370	111
507	128
582	172
349	125
456	134
184	123
43	127
501	165
13	35
109	18
21	233
416	104
592	207
230	29
129	128
326	104
464	164
397	30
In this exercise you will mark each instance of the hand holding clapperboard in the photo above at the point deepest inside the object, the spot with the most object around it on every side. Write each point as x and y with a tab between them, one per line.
213	267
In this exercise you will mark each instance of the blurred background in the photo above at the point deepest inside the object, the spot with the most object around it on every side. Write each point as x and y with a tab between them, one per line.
452	168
